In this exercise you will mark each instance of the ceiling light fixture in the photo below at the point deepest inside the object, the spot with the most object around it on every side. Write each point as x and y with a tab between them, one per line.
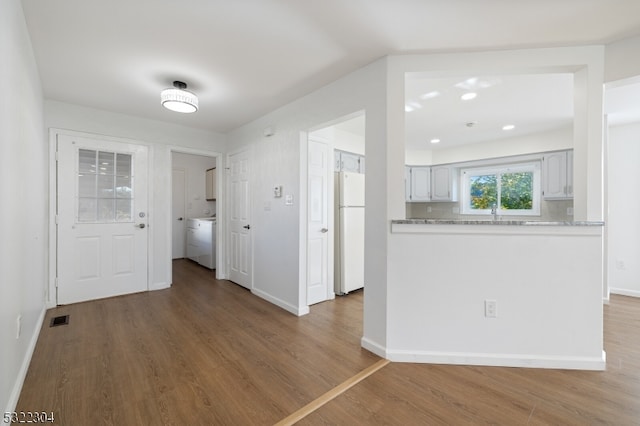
435	140
508	127
468	96
178	99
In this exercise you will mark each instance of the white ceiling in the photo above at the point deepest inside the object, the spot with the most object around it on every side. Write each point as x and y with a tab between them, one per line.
531	103
244	58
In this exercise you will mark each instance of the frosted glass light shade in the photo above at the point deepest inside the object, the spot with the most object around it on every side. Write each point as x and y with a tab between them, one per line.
179	100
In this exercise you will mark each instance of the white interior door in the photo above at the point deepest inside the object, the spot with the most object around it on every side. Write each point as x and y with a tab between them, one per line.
102	218
239	219
177	213
319	170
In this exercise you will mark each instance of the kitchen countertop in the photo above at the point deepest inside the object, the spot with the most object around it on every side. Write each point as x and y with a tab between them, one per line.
493	222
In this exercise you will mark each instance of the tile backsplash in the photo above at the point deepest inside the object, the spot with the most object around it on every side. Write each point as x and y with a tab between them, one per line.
555	210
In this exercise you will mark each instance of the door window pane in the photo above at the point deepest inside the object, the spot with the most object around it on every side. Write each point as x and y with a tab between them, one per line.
86	161
87	209
123	165
106	163
106	210
87	185
105	186
123	210
123	186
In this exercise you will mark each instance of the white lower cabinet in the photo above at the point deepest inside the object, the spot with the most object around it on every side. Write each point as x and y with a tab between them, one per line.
201	242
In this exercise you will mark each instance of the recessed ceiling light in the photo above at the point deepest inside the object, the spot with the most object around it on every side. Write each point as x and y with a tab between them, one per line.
412	106
435	140
508	127
430	95
468	96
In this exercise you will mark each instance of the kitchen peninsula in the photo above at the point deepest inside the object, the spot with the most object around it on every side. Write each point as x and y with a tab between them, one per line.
497	292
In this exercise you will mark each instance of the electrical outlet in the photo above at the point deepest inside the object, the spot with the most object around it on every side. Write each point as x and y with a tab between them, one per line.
490	309
18	326
429	209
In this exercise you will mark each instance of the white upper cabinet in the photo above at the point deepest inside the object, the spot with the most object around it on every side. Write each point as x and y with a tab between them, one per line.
557	175
348	162
430	183
420	184
443	184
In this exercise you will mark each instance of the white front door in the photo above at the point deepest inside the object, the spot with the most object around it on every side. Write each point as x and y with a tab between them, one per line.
177	213
239	219
319	170
102	218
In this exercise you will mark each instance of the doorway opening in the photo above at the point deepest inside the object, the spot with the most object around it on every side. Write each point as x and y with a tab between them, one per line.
622	153
335	209
194	209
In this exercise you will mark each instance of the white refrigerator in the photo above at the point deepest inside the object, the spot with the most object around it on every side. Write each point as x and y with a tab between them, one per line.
349	235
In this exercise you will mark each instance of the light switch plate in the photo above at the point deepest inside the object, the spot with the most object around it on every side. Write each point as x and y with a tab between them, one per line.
288	200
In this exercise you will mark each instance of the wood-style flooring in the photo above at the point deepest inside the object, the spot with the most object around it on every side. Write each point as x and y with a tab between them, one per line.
208	352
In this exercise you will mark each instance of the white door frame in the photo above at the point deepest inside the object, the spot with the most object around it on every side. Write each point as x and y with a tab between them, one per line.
221	271
51	290
184	209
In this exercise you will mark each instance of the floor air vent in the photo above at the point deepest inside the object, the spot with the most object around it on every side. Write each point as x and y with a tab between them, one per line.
62	320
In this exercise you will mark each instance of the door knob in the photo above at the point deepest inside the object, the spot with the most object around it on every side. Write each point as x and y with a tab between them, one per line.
324	230
141	226
247	227
179	218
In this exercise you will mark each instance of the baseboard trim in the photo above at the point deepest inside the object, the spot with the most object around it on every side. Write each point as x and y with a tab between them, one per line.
623	292
159	286
374	347
501	360
296	310
22	373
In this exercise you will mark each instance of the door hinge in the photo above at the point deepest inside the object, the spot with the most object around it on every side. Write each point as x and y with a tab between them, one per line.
56	155
56	282
57	218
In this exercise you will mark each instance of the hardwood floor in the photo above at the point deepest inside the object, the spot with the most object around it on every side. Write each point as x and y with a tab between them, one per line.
402	394
209	352
203	352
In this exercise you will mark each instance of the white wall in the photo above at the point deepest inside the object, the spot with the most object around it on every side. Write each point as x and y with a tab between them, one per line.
23	215
279	236
624	205
622	59
162	138
195	167
540	142
347	141
546	282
